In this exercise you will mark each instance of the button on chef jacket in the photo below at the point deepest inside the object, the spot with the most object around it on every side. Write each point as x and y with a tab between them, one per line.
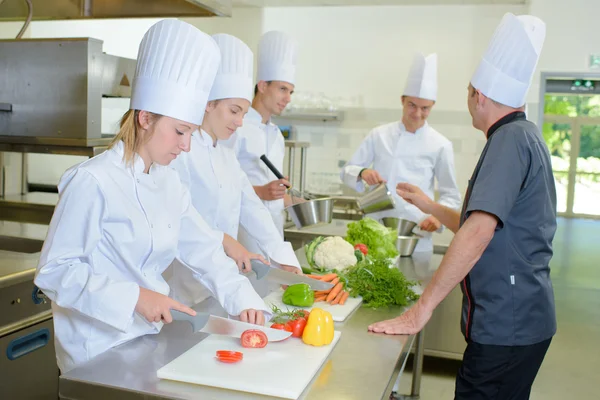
251	141
225	198
116	229
401	156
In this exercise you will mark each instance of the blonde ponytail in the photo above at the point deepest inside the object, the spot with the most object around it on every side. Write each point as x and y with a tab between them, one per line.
129	134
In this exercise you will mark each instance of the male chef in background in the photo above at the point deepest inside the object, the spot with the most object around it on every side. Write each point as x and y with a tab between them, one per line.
501	252
409	151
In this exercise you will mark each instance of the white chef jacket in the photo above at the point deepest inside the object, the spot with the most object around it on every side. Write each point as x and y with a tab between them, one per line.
116	229
401	156
251	141
223	195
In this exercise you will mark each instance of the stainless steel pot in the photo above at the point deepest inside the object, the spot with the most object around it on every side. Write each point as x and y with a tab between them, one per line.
312	212
406	245
403	226
378	199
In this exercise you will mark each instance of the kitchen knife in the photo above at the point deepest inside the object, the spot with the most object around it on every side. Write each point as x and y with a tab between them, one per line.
286	278
207	323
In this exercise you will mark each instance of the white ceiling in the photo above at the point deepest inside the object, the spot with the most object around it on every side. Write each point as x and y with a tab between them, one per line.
312	3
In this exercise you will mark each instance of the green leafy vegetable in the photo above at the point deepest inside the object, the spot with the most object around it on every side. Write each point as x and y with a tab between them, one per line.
282	317
378	284
380	241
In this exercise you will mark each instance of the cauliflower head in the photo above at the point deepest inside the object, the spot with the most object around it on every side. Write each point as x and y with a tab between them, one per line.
334	253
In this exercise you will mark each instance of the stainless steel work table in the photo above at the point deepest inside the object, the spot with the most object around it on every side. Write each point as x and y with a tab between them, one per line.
362	366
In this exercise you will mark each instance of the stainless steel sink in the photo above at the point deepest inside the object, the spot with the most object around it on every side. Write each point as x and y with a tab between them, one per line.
20	245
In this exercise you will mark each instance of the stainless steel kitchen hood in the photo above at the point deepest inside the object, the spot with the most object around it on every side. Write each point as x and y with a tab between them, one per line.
11	10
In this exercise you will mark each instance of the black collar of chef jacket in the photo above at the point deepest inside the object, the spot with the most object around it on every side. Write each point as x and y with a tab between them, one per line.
514	116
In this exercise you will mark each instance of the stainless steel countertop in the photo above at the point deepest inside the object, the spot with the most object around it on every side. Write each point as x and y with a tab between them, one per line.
129	371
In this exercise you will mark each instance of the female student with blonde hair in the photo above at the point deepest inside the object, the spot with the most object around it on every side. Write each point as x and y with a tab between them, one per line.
220	189
123	216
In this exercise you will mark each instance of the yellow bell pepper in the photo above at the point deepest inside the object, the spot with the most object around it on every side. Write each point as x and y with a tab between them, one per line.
319	328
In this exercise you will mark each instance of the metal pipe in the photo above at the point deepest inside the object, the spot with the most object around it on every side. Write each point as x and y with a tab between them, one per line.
2	176
415	390
291	164
302	169
24	168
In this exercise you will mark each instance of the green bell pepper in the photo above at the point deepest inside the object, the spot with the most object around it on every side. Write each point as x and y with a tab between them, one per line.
299	295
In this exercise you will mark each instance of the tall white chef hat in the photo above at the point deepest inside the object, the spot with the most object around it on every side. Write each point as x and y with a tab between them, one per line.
422	78
176	67
277	54
507	67
234	79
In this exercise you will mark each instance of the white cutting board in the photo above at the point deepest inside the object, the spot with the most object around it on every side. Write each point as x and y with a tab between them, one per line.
338	313
281	369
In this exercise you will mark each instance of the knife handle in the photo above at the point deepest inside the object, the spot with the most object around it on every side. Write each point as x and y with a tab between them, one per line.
273	169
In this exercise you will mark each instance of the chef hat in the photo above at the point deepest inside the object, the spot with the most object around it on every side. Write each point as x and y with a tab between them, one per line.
422	78
507	67
234	79
277	54
175	70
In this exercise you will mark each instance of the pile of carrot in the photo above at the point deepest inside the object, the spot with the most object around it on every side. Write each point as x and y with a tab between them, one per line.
333	296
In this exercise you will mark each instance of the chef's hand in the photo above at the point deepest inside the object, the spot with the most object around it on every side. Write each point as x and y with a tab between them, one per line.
253	316
155	307
239	254
274	190
372	177
430	224
415	196
409	323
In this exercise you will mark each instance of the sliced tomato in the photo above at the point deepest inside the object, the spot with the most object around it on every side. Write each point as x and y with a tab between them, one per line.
297	326
254	338
281	327
229	360
229	357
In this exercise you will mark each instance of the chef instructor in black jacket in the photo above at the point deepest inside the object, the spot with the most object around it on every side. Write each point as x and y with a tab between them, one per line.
501	252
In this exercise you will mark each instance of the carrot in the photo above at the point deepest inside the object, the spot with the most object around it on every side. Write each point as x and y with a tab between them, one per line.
317	277
322	292
344	297
337	298
335	281
328	277
334	292
320	298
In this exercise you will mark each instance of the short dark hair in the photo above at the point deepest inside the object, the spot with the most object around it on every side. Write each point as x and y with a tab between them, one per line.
256	87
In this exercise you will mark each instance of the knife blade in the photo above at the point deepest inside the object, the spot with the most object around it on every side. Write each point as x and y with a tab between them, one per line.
208	323
286	278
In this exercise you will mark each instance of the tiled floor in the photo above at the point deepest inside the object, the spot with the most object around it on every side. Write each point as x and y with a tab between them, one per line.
571	369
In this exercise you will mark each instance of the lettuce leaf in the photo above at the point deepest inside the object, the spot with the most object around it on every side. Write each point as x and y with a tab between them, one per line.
380	240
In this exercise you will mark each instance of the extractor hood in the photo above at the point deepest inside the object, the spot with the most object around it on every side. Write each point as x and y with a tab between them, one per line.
11	10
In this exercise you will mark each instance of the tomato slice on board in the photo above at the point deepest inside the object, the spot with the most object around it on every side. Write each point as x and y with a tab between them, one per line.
254	338
229	360
229	353
229	357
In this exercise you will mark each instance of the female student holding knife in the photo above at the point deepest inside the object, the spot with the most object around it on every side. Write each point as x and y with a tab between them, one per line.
220	189
123	216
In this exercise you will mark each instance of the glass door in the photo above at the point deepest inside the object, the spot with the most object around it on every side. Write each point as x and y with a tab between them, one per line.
572	132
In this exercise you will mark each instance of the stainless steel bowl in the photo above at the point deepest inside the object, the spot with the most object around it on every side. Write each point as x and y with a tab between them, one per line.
403	226
378	199
406	245
312	212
